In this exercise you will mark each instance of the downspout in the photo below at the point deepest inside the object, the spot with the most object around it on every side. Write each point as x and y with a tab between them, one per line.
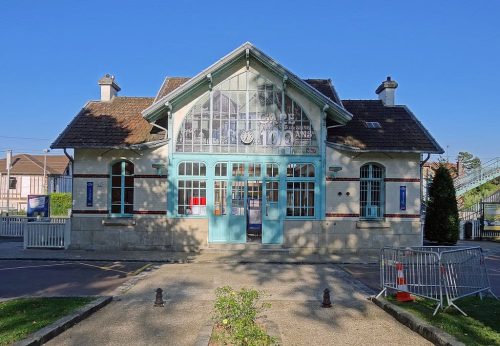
72	160
422	222
324	132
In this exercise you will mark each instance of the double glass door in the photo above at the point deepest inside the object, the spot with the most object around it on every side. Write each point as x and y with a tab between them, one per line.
246	209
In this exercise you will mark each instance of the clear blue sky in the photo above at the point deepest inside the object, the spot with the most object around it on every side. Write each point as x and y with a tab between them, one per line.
445	56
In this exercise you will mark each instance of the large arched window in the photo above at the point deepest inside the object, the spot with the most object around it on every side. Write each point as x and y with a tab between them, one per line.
245	114
122	188
371	191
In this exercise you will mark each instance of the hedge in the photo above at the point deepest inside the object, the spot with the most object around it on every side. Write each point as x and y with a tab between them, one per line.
60	202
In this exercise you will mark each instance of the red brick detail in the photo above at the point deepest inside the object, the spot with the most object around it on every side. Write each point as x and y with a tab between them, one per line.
150	212
403	180
341	215
90	175
90	211
404	216
341	179
151	176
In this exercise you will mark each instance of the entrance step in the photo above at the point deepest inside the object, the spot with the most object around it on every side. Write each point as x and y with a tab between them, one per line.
249	247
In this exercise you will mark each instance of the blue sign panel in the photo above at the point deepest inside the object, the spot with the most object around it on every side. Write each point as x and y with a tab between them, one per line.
38	205
90	194
402	198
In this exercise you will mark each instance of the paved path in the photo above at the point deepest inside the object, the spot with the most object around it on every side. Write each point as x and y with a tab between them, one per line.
293	290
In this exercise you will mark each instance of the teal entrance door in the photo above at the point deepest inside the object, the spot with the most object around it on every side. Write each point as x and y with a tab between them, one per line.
236	232
272	218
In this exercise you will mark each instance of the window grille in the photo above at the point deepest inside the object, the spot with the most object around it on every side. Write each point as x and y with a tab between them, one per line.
300	198
192	193
245	114
371	191
122	188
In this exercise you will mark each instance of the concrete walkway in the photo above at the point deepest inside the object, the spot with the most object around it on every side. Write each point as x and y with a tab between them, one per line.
293	290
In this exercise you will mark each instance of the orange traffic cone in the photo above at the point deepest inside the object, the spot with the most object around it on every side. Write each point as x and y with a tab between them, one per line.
401	283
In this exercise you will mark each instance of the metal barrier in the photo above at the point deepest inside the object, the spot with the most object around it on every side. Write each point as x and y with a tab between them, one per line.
435	272
49	235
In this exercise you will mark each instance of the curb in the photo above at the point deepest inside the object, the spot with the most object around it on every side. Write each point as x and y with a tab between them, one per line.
45	334
431	333
182	261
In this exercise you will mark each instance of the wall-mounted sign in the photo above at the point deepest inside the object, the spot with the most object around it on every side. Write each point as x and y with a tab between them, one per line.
402	198
90	194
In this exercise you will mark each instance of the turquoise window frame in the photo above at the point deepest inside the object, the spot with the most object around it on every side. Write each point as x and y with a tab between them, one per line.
314	180
122	176
369	190
184	178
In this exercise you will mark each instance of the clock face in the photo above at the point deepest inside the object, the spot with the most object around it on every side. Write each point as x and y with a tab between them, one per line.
246	136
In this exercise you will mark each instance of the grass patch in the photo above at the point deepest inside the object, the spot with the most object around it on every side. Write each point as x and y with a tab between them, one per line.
480	327
21	317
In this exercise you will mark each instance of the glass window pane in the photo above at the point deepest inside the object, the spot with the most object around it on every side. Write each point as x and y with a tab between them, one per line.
129	196
116	168
203	169
182	168
129	181
116	181
116	195
129	168
128	209
115	209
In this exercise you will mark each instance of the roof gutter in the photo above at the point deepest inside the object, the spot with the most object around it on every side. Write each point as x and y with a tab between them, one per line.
358	150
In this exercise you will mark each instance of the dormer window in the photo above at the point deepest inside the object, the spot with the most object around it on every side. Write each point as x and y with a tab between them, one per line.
372	124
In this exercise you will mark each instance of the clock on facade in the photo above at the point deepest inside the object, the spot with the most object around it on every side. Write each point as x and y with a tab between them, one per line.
246	136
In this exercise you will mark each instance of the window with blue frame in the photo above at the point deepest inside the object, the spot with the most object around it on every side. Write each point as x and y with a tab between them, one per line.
122	188
300	190
192	189
371	191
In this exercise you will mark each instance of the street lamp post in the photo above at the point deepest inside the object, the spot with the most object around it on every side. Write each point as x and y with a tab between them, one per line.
45	184
8	160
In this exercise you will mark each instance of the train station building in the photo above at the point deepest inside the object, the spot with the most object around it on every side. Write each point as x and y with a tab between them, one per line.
246	153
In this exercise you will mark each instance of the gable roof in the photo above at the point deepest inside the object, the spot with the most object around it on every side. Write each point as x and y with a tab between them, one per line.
108	124
325	87
248	51
169	85
25	164
400	130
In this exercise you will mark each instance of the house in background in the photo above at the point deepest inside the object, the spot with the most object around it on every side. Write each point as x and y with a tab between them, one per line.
31	175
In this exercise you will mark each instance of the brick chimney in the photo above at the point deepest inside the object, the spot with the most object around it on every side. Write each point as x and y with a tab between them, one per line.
109	88
386	91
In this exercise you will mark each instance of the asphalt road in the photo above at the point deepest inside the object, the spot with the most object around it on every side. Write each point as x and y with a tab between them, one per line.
60	278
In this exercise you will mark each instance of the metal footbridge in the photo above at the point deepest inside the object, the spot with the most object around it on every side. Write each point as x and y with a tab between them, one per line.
477	177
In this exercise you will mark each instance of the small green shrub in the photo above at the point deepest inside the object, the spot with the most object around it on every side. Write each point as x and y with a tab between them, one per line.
235	316
60	202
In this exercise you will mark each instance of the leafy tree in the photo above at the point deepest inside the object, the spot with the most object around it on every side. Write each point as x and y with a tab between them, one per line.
441	218
468	160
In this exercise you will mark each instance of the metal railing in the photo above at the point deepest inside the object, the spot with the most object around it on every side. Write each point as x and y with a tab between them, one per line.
443	274
48	235
478	176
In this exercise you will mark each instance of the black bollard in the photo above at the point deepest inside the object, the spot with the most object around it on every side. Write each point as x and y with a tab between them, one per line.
159	298
327	303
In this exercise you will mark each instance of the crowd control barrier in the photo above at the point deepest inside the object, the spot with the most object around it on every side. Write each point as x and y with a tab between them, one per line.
440	273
